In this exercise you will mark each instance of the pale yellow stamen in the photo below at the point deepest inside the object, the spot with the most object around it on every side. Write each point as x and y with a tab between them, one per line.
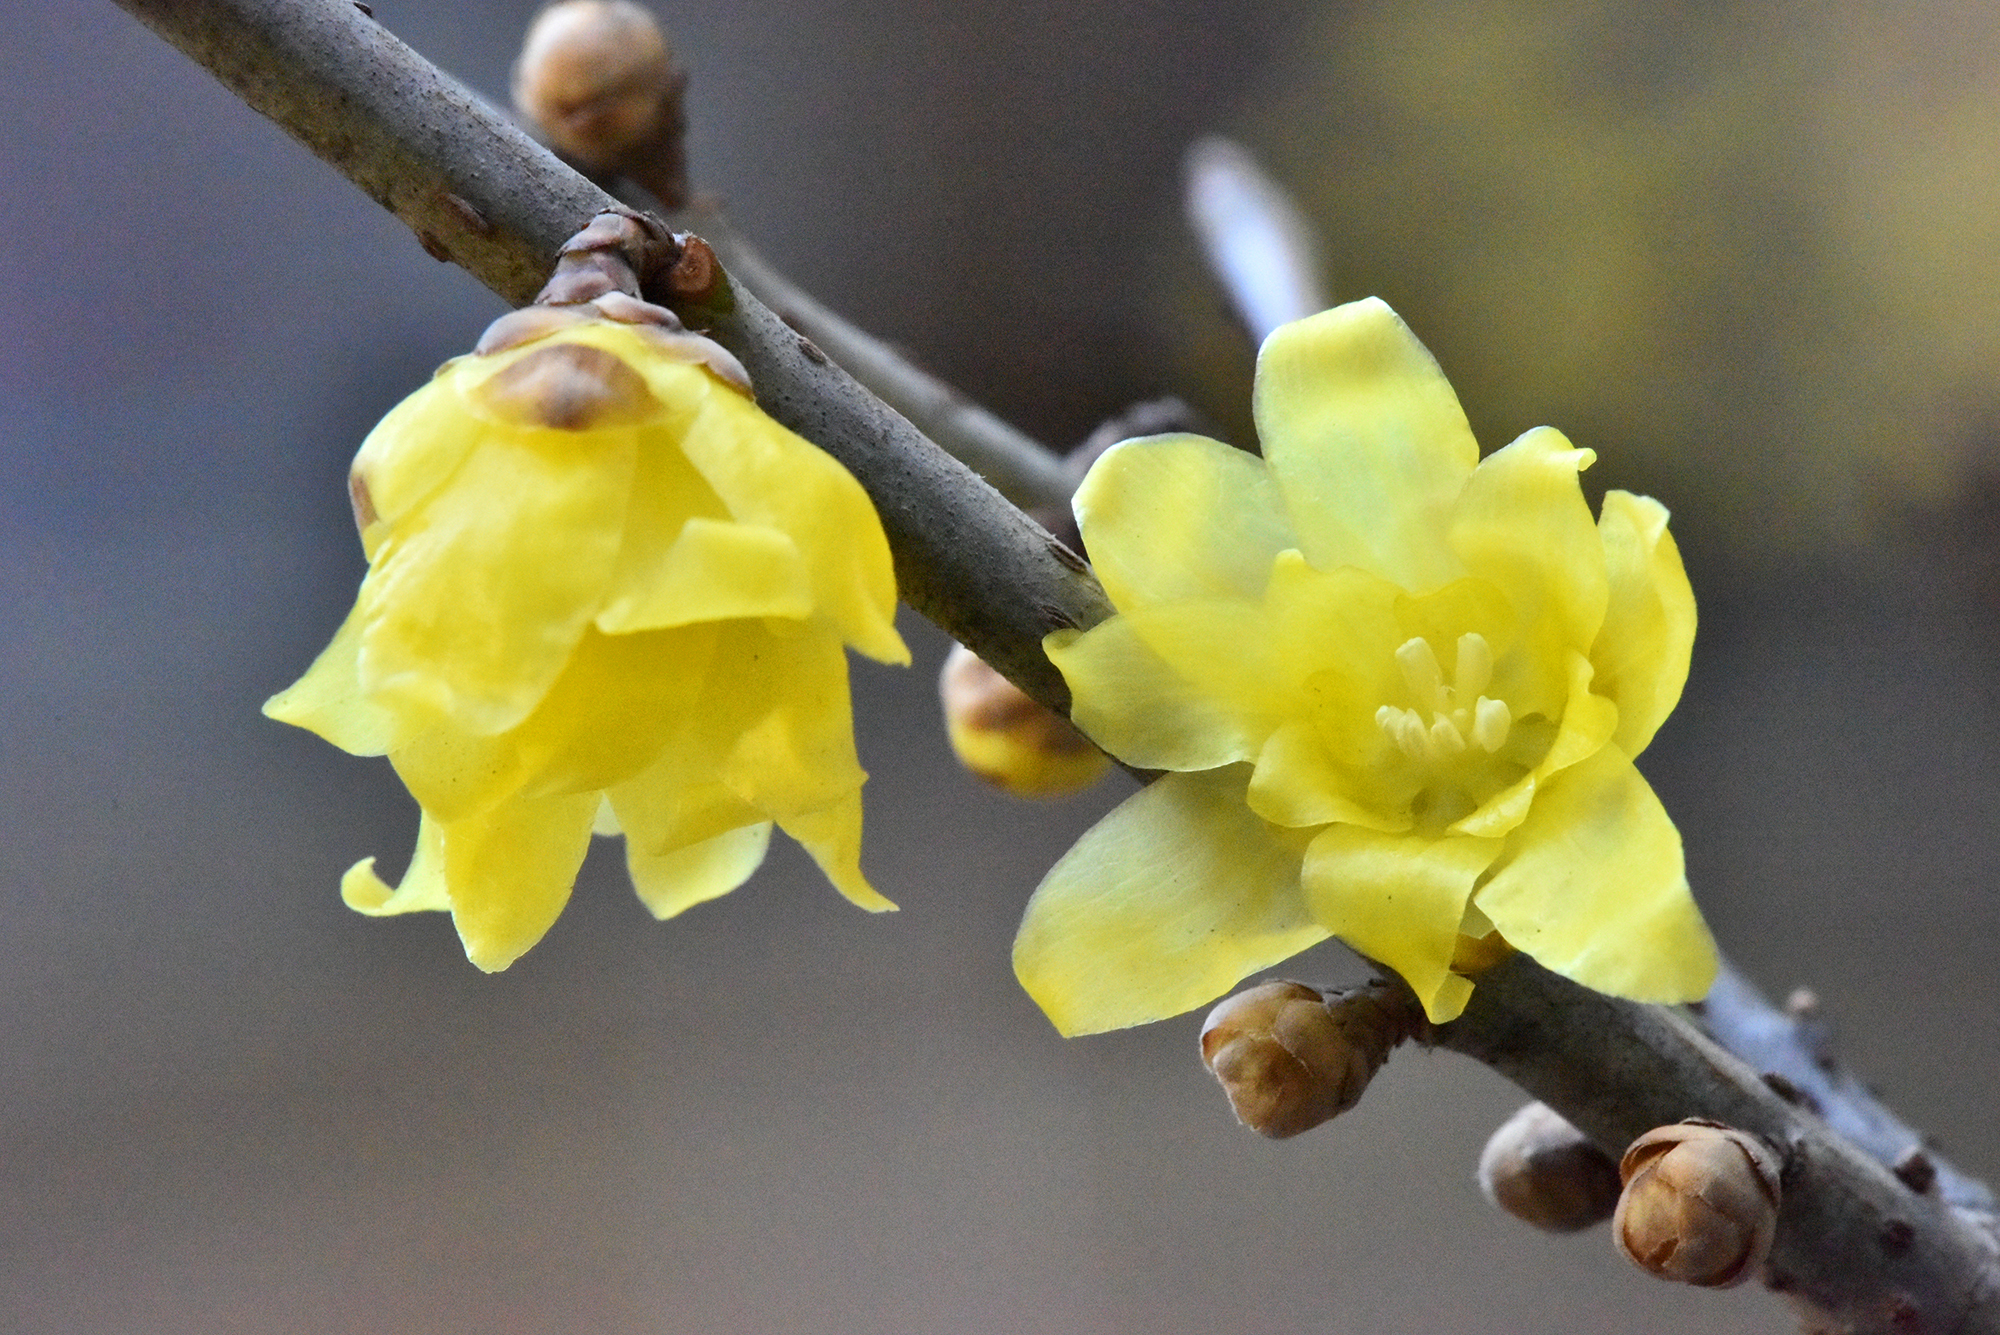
1458	713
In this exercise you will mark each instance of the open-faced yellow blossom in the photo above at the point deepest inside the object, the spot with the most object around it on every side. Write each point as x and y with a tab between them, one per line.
605	591
1399	690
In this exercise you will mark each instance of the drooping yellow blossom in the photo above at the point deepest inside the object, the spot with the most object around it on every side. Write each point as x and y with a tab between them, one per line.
1399	690
605	592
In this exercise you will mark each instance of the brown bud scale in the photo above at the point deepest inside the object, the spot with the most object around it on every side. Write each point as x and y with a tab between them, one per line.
1543	1171
1700	1203
1290	1057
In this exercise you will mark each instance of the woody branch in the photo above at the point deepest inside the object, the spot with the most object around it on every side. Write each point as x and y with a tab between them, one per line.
1858	1248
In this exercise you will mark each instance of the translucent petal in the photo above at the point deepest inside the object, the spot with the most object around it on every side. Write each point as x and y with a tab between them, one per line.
476	599
454	775
832	834
328	700
620	701
422	888
1163	905
1522	523
1399	900
1296	783
664	810
510	872
1366	441
1593	886
1181	517
412	452
1587	723
1131	702
614	708
667	492
781	701
715	570
669	883
1643	649
766	475
605	824
1335	635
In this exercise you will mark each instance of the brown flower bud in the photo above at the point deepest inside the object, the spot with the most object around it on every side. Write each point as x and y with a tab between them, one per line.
1700	1204
1008	739
598	79
1539	1168
1290	1057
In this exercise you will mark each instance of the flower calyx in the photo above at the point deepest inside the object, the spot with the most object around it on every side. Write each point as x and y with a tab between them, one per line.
598	277
1700	1203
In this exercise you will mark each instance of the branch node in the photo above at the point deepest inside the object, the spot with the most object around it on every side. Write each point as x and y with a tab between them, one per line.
1915	1170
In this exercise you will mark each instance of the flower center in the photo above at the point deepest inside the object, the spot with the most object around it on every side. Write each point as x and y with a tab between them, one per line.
1448	720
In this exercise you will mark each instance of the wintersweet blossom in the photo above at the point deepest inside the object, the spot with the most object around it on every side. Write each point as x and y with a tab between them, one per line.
1398	689
605	592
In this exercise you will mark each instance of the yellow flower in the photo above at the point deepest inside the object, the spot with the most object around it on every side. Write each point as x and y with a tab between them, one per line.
1399	688
605	591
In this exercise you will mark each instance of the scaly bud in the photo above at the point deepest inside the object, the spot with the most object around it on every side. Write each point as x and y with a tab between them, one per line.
598	79
1008	739
1700	1204
1290	1057
1539	1168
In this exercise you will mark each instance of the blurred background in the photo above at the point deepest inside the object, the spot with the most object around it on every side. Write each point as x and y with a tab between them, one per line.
1747	251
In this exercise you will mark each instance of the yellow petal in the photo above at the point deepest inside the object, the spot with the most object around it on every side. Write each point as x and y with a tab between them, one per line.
477	597
832	834
456	776
1163	905
1523	524
422	888
1399	900
1587	723
1367	443
765	475
1180	517
772	738
615	708
665	810
510	872
782	701
714	571
669	883
1643	649
1131	702
1296	783
329	700
1593	886
412	452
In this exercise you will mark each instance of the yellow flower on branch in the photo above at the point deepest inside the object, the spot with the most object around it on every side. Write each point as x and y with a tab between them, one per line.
1398	689
605	591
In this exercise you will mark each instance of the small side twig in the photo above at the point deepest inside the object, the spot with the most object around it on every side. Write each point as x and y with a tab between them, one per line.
1857	1249
1797	1049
